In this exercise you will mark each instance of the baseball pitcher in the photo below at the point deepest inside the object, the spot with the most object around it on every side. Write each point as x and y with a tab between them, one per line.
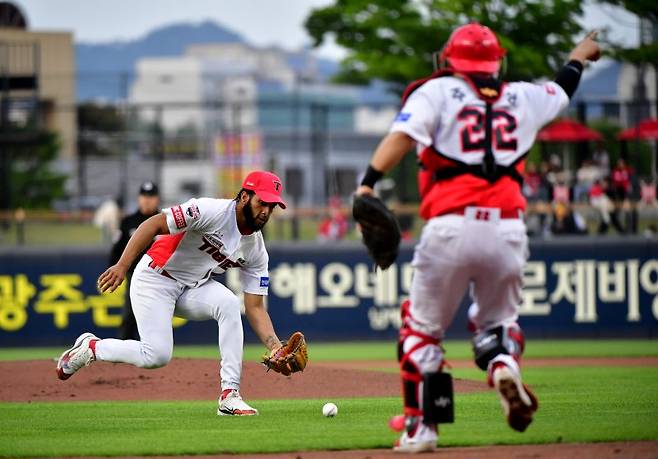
201	237
472	133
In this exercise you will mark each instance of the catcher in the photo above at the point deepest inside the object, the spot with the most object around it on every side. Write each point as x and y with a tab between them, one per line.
472	133
173	278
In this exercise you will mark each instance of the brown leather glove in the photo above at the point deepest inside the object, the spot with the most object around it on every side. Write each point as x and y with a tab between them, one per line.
291	357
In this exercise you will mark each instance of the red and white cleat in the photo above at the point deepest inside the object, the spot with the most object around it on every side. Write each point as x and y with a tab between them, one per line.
80	355
231	404
417	438
519	403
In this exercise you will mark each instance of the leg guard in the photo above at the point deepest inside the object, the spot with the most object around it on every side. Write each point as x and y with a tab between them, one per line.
438	401
421	359
500	340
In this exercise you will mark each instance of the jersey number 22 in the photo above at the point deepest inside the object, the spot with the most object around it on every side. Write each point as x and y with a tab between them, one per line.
472	133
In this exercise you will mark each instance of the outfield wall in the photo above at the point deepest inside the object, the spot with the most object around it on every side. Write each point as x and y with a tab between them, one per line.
580	287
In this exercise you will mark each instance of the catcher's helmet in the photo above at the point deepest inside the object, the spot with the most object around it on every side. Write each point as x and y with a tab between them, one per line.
473	48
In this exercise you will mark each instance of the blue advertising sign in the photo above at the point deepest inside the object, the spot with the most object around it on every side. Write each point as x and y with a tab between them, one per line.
572	288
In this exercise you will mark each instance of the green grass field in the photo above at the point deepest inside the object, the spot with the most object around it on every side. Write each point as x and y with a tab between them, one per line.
578	404
377	350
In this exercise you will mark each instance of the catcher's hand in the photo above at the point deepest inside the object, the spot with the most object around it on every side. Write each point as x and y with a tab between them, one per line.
379	228
291	357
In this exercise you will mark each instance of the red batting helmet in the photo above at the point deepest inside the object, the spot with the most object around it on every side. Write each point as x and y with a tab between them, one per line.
473	48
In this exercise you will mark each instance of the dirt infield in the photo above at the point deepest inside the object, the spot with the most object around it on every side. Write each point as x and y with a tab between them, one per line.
610	450
197	379
192	379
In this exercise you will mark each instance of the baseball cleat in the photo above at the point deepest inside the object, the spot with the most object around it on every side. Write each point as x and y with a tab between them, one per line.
80	355
519	403
231	404
417	438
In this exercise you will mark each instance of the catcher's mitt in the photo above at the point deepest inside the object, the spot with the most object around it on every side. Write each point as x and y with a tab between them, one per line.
379	228
290	357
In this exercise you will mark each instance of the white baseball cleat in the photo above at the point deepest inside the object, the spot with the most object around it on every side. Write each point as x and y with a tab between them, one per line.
519	403
80	355
421	438
231	404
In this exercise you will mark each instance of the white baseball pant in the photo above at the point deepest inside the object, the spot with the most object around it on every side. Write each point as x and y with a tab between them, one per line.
477	250
155	300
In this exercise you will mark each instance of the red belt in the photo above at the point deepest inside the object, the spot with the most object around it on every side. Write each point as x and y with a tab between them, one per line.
160	271
484	215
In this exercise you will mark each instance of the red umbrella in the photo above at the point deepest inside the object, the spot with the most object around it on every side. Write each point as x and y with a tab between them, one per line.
567	130
646	130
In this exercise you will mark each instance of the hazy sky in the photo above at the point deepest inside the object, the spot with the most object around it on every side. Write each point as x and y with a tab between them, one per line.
262	22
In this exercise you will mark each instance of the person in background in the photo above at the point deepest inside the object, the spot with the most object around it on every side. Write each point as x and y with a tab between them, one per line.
566	221
647	193
599	199
148	204
602	159
106	218
536	189
586	175
621	179
333	227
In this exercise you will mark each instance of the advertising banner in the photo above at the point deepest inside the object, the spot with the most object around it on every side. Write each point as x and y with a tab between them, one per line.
572	288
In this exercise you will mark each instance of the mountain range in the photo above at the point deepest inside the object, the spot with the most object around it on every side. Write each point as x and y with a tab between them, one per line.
105	70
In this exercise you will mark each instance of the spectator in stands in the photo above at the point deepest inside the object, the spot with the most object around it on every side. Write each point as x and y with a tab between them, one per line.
554	169
600	200
334	227
602	159
621	181
632	214
532	183
587	174
537	190
561	192
647	194
566	221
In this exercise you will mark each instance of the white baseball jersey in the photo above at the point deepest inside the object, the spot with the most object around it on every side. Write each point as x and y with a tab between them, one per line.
204	238
447	113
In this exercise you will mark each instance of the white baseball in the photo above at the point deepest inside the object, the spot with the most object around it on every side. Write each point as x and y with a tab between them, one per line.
330	410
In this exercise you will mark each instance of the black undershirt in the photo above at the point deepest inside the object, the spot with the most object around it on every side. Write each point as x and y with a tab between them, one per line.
569	76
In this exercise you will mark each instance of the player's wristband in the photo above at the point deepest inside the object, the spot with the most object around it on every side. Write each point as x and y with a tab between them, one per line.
371	176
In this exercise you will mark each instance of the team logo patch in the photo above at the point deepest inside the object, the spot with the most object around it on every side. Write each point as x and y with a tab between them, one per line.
193	212
402	116
488	92
277	185
179	218
264	281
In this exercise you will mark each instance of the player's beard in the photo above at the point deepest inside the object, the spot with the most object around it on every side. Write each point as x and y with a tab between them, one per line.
252	223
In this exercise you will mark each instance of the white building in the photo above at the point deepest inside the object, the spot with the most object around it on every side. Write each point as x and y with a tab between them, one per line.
315	134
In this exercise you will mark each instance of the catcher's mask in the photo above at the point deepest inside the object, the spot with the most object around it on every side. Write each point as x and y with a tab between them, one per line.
472	48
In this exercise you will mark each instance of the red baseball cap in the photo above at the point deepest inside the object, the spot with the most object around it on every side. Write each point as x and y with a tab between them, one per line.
266	185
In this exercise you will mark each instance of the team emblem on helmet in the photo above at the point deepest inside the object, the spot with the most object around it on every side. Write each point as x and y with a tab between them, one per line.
473	48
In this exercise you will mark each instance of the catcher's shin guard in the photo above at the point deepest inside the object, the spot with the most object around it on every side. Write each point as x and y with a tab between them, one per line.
421	359
504	343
